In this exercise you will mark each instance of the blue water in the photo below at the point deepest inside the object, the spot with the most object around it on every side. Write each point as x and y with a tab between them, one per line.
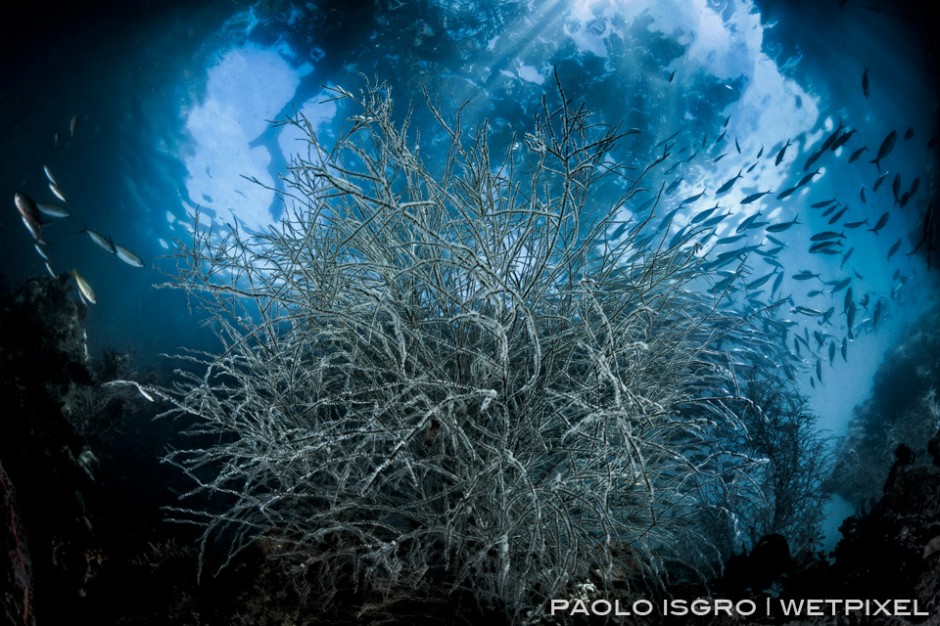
174	106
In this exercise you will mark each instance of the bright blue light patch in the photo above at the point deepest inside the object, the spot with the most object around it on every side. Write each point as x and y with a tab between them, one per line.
246	90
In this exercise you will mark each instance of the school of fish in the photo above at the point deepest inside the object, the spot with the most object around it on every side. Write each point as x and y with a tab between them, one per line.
740	243
34	216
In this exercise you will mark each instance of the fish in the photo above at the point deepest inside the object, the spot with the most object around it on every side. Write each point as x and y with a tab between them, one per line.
127	256
49	175
646	204
715	220
861	194
777	282
813	158
769	254
727	240
881	223
760	281
103	242
85	292
878	181
826	235
621	228
750	169
51	210
786	193
835	218
845	349
805	310
666	221
823	204
849	300
879	311
27	207
29	212
857	154
832	352
73	125
804	275
702	215
679	238
779	228
35	230
782	152
671	76
726	187
760	152
669	138
722	285
841	141
909	133
894	248
896	187
807	178
865	86
737	145
754	197
832	137
886	146
57	192
840	285
826	247
731	255
672	186
692	199
747	223
846	257
856	224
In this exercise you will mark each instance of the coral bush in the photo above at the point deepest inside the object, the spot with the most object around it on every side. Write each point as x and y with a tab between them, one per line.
481	377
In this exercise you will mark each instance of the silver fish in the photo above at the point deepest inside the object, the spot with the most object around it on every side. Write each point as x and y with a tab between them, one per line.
127	256
49	175
85	291
57	192
103	242
52	210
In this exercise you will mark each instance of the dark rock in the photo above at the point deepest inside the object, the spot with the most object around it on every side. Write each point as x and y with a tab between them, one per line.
933	448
